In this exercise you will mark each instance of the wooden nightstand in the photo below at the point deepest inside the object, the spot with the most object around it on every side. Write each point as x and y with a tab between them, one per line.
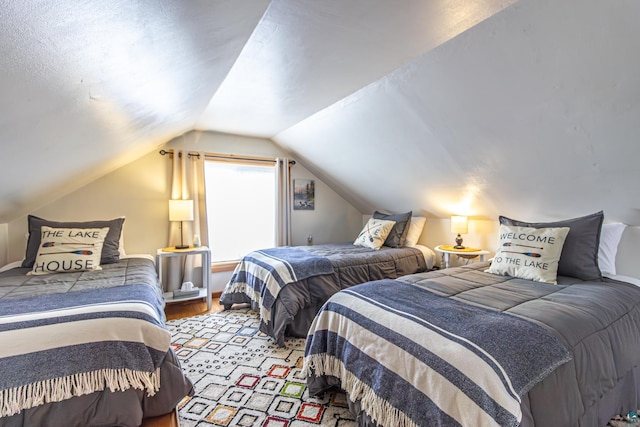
205	253
468	253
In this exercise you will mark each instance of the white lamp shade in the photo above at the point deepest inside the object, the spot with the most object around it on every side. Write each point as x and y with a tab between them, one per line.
180	210
459	224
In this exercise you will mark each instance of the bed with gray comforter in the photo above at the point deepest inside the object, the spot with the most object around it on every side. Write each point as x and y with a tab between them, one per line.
287	286
86	348
464	347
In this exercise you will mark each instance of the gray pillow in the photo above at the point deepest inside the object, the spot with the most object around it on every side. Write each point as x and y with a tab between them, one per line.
110	248
398	233
579	257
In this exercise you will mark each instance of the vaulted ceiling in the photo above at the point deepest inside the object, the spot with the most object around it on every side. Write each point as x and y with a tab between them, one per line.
525	108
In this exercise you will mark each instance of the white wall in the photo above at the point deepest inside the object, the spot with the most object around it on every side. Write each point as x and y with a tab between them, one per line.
4	239
627	256
483	234
140	190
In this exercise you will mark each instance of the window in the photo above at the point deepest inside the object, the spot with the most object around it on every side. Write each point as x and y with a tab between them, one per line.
241	207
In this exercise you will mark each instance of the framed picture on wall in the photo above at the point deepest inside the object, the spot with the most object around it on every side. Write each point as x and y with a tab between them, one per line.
304	194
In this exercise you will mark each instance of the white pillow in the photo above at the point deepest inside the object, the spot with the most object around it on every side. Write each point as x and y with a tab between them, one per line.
64	250
415	230
610	235
529	253
121	250
374	233
11	265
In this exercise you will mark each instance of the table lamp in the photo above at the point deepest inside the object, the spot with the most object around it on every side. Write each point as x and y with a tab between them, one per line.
459	225
181	210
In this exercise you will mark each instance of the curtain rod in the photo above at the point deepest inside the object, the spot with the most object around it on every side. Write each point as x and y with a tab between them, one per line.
225	156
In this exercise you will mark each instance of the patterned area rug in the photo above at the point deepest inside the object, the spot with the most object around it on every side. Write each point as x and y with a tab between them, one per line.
629	420
243	379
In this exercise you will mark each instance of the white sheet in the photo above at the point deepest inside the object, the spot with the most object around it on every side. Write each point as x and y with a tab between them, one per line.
429	255
628	279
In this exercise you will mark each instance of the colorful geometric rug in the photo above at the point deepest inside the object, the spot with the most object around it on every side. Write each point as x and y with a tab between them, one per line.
243	379
629	420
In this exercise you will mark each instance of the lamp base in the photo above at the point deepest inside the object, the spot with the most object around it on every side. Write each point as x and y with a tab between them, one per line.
181	245
458	243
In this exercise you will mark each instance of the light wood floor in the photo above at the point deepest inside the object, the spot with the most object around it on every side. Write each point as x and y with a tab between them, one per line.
178	310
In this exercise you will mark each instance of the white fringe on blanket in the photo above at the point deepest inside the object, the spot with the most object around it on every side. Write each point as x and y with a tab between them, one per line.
14	400
380	411
244	288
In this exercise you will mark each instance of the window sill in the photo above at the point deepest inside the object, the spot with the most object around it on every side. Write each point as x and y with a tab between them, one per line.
220	267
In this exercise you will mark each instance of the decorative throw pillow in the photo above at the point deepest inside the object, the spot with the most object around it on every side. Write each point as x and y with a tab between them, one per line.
529	253
415	230
580	254
110	251
609	239
398	234
374	233
64	250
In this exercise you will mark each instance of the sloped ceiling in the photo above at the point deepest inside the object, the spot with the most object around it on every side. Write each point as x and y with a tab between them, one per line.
87	86
527	108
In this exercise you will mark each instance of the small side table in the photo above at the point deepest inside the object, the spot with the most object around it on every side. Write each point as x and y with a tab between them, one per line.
205	253
447	251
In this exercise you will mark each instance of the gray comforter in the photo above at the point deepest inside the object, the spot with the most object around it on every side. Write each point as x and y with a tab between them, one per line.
15	283
597	322
126	292
297	303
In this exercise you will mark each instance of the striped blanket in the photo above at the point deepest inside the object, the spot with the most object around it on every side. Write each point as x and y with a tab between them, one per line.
261	275
413	358
59	346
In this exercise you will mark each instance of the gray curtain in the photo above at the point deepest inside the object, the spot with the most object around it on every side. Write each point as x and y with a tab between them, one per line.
283	202
187	183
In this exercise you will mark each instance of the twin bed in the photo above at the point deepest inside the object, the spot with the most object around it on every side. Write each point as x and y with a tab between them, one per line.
85	347
288	286
476	345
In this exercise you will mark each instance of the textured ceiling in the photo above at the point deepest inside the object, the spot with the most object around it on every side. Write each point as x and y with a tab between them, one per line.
527	108
87	86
